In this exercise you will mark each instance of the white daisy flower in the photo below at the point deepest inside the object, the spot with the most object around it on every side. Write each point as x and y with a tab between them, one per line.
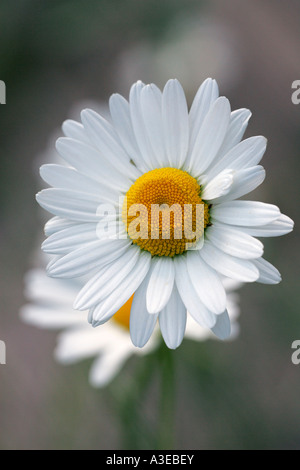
50	307
156	152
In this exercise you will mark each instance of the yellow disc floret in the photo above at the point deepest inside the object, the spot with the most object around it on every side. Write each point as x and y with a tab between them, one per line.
164	213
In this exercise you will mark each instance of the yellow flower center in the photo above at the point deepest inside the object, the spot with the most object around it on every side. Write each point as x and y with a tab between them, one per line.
164	213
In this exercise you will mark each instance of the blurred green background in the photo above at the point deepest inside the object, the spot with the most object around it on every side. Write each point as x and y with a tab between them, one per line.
243	394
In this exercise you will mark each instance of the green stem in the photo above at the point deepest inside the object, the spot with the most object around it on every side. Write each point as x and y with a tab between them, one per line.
129	399
166	432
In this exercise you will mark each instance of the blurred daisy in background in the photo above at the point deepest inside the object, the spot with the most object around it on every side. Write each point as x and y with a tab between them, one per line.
50	307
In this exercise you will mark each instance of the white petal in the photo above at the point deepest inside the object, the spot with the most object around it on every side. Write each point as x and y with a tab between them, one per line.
104	137
234	242
247	153
222	328
142	323
107	366
56	224
77	344
206	95
88	160
245	213
70	239
40	289
210	137
104	281
218	186
278	227
71	204
75	130
63	177
51	318
83	260
172	321
244	182
190	298
234	268
161	284
151	107
147	159
236	129
175	123
122	292
206	283
120	112
54	259
268	274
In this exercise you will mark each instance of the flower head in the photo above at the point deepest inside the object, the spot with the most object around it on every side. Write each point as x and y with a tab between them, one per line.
170	180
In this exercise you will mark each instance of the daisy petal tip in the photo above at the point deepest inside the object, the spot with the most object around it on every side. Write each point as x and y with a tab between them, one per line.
136	343
59	142
53	271
78	305
247	114
49	272
224	102
152	305
264	144
65	123
172	81
86	114
44	247
138	340
277	278
173	84
113	97
42	170
173	341
138	85
219	186
225	335
174	345
222	328
290	223
274	281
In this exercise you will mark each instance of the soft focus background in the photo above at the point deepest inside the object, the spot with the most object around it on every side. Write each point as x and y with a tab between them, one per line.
53	54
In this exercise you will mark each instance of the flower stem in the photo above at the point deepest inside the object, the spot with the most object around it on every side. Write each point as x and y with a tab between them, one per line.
129	398
166	432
